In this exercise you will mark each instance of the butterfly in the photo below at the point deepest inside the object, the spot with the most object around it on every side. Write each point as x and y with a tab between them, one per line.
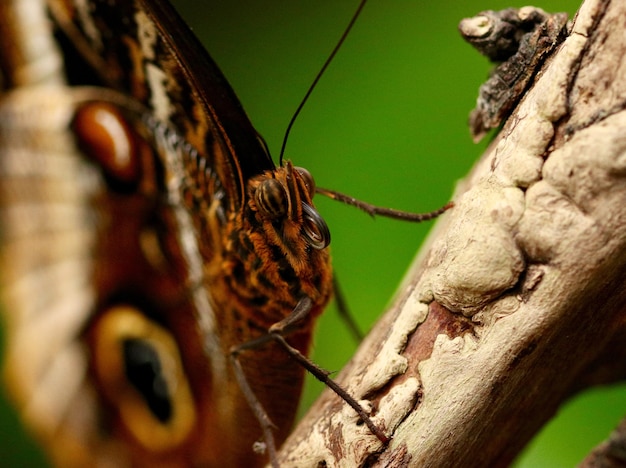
148	235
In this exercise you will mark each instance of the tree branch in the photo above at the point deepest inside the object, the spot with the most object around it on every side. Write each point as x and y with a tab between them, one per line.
517	300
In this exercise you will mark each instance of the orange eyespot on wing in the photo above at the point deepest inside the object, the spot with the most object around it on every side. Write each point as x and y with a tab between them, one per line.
139	369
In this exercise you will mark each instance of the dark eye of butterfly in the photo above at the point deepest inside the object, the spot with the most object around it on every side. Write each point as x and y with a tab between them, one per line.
271	198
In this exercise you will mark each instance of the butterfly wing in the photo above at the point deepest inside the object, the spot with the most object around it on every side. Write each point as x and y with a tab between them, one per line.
85	252
145	49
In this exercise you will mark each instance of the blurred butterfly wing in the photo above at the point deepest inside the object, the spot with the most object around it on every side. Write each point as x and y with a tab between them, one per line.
47	238
47	264
57	258
145	49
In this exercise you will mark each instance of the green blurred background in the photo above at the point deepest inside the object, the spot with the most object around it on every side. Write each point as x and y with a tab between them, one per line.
387	124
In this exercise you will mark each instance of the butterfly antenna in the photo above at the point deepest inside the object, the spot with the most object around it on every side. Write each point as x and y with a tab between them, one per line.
319	75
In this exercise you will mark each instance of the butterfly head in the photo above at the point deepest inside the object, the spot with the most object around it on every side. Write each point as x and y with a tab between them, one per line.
280	203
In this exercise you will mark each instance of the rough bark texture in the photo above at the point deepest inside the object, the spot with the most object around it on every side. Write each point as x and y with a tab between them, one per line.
517	301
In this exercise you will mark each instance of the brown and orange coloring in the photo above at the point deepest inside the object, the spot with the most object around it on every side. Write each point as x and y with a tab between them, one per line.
182	285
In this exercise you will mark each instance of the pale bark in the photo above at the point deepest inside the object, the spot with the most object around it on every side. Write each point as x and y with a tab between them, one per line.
517	300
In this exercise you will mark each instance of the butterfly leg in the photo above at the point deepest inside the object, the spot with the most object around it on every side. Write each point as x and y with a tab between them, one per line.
277	333
287	325
323	376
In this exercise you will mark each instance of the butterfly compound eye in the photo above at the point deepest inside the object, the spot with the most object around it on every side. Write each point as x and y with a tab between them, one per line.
314	228
271	198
